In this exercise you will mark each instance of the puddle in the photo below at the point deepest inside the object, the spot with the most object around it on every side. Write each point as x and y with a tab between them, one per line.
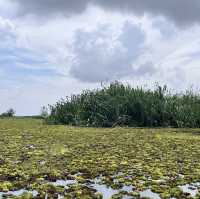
127	188
64	183
196	184
148	193
106	191
18	193
191	189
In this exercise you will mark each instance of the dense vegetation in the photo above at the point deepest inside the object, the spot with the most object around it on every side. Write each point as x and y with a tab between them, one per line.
118	104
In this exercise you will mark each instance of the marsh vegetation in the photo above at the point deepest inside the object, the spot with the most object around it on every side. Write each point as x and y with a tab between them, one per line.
121	105
57	161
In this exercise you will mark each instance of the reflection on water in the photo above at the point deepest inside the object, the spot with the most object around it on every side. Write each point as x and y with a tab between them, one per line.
148	193
192	188
127	188
18	193
106	191
64	183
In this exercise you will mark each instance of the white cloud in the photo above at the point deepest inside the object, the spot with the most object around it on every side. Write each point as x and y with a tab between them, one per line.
95	46
172	55
106	54
8	8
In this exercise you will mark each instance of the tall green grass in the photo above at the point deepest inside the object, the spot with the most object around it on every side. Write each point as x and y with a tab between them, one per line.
124	105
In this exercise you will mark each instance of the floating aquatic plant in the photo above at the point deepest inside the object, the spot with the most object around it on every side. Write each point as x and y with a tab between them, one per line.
38	157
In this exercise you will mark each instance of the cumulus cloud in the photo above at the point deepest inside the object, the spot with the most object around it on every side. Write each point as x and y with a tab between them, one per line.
103	55
7	32
98	42
8	8
12	54
182	12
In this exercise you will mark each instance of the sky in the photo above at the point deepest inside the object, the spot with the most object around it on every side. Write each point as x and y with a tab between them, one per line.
50	49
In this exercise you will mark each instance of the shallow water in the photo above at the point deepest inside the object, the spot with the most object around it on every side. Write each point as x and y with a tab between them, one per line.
64	183
148	193
127	188
106	191
18	193
192	188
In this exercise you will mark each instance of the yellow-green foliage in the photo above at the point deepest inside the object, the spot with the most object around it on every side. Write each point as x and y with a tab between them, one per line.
32	153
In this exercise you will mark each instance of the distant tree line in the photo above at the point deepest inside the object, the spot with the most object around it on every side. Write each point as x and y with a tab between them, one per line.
9	113
123	105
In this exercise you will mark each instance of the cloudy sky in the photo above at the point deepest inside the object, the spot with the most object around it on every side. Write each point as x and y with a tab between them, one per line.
52	48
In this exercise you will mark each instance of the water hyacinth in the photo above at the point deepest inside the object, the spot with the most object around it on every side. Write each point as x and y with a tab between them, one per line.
57	161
